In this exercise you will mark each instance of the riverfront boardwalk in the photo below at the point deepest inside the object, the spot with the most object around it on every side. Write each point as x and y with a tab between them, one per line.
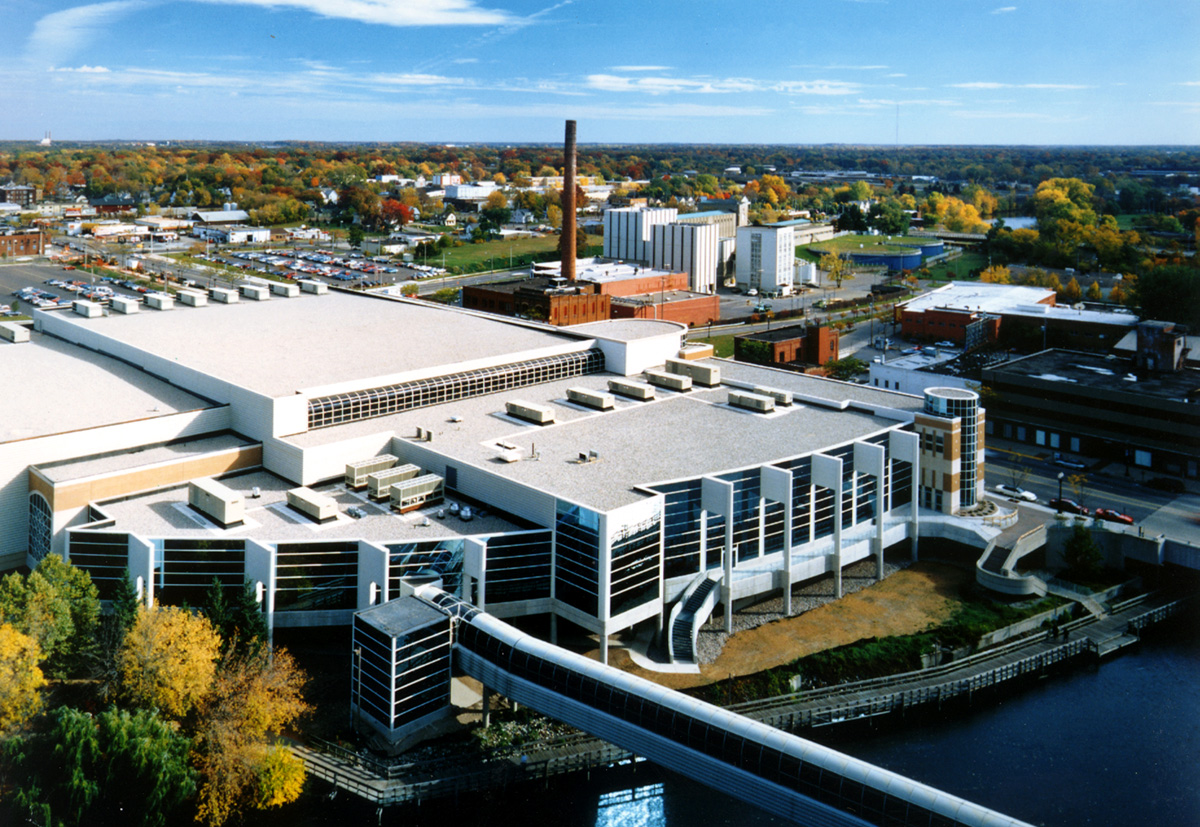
962	678
404	782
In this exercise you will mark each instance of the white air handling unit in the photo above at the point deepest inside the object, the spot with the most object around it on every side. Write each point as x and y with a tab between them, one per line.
412	494
380	483
218	502
87	309
192	298
317	288
12	332
160	301
706	375
255	292
286	289
591	399
223	295
312	504
357	471
751	401
124	304
670	381
781	397
528	411
632	390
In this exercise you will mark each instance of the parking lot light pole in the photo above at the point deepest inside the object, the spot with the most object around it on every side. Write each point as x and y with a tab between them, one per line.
1060	479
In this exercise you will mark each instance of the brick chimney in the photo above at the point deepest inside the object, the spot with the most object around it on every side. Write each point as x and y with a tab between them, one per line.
568	205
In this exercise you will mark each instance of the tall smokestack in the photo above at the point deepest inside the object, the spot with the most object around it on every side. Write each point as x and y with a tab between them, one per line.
568	204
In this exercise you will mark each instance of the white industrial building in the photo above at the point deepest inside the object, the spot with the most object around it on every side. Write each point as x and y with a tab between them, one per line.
628	231
593	474
236	234
690	248
766	258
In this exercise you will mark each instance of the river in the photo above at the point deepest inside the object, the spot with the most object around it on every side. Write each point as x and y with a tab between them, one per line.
1117	744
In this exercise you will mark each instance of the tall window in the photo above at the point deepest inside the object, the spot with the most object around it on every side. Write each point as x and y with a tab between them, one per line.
41	525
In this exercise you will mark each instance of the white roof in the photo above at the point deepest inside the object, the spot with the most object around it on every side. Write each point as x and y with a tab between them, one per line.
986	298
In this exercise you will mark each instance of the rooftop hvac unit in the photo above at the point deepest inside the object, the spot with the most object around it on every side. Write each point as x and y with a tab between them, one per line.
591	399
510	455
751	401
357	471
87	309
781	397
14	332
706	375
671	381
124	304
192	298
160	301
255	292
630	389
528	411
417	492
224	295
219	503
316	506
286	289
318	288
380	482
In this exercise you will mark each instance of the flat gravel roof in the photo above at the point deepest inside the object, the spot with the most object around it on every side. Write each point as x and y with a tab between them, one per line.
677	436
116	461
52	387
281	346
269	519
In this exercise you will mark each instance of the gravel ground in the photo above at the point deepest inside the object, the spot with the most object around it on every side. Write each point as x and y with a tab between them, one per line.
805	597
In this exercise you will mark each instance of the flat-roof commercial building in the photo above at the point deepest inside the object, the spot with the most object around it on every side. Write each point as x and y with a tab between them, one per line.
1104	407
591	473
628	231
1012	315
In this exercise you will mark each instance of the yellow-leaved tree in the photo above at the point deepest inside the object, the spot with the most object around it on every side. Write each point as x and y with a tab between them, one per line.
996	274
168	660
20	677
254	697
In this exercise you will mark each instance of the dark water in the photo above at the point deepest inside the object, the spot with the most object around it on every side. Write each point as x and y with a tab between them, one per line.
1117	744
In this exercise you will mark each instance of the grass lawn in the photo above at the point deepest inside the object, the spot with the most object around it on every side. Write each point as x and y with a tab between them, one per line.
722	345
497	254
958	268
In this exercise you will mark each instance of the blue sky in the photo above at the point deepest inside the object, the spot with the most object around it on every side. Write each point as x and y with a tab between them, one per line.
706	71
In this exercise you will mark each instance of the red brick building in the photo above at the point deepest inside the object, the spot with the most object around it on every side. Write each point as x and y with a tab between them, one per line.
811	345
24	243
539	299
683	306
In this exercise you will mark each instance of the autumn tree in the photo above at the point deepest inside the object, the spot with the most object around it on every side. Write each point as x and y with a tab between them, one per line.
1094	294
20	677
837	268
253	698
996	274
1072	292
1117	295
57	605
168	660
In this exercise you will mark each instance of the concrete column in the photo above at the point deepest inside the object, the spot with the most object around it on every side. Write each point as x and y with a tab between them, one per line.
872	459
604	647
906	446
487	700
827	473
554	628
777	487
716	496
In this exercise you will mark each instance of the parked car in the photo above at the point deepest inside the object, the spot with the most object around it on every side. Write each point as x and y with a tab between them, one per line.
1068	506
1112	516
1073	464
1017	493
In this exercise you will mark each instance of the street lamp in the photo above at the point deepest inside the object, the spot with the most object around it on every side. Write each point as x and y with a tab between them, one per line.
1060	479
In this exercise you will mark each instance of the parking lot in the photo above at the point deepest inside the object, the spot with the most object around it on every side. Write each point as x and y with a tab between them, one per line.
352	268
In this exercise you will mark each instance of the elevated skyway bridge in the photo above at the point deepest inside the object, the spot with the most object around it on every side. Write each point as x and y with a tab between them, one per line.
775	771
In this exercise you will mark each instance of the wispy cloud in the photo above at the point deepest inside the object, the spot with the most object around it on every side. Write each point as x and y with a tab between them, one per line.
896	75
1004	10
392	12
1189	83
659	85
640	68
60	34
85	69
827	67
981	84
